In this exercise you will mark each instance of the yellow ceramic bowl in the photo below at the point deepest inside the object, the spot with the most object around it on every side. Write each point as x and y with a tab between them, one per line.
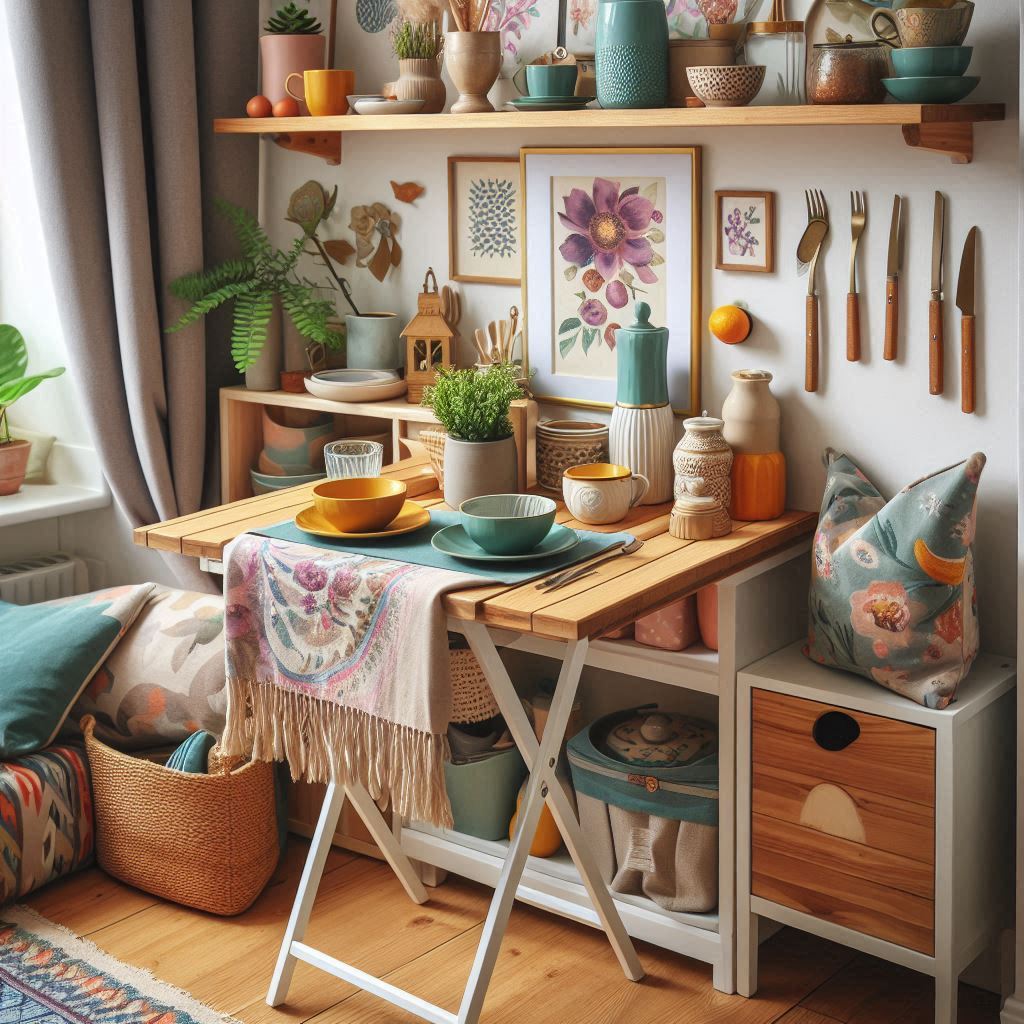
359	504
598	471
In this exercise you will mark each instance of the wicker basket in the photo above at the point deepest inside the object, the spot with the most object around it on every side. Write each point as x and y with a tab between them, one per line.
433	441
205	841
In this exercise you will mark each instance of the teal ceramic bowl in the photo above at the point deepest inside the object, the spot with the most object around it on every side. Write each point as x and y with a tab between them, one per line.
931	61
508	524
264	483
945	89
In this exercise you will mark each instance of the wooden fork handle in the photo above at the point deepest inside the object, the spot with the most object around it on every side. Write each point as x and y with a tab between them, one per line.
935	348
811	377
967	363
892	316
853	327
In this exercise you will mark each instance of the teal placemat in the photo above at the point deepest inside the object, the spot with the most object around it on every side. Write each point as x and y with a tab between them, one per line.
416	548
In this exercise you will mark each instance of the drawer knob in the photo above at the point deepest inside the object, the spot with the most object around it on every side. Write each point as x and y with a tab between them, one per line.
835	730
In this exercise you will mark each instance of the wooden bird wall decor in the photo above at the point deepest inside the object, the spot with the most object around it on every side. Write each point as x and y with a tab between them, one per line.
407	191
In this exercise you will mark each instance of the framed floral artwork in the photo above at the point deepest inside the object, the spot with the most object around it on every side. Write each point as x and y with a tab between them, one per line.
745	231
484	210
528	28
602	230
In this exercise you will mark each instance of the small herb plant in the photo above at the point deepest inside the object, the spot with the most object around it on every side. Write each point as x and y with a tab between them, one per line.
472	405
14	383
252	282
292	20
414	41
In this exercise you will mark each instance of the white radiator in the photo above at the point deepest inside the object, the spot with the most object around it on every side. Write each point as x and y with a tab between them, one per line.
43	578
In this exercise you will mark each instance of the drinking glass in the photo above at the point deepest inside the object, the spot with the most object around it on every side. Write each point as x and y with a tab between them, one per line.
353	458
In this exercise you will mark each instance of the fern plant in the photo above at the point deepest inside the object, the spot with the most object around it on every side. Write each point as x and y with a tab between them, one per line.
252	282
474	406
292	20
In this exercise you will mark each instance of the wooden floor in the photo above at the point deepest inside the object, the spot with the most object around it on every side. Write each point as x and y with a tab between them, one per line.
550	971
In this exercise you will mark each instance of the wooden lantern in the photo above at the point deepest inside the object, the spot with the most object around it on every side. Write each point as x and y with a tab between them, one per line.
429	338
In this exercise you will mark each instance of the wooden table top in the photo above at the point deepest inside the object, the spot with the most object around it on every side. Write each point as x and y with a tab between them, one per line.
619	591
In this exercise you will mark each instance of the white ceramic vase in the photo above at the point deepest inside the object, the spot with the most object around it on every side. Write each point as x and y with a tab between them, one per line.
751	413
643	440
475	468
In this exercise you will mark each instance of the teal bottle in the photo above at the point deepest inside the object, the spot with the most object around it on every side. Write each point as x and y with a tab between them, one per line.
642	362
631	56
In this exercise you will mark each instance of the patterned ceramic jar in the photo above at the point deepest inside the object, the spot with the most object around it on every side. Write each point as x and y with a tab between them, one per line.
632	53
704	454
563	444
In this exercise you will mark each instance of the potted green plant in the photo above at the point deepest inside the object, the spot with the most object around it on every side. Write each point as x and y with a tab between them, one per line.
419	48
293	43
14	384
257	282
479	450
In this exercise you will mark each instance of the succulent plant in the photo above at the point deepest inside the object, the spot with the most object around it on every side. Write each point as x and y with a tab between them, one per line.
292	20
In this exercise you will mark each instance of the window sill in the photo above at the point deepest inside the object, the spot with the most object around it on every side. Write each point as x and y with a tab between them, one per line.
76	485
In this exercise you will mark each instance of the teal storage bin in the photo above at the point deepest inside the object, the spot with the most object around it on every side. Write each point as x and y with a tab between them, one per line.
483	793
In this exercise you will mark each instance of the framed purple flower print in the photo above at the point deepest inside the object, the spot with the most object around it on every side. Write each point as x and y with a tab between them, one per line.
602	230
745	231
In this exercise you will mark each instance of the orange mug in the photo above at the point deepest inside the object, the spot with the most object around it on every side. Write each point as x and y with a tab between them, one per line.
326	91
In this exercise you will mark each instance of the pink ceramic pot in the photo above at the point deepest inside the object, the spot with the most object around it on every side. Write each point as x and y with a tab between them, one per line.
282	55
672	628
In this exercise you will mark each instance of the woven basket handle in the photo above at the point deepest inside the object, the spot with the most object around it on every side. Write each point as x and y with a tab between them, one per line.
88	725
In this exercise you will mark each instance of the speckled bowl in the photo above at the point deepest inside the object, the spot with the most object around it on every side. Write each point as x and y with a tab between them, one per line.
730	86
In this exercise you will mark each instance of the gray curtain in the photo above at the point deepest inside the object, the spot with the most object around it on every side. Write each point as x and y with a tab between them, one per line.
119	99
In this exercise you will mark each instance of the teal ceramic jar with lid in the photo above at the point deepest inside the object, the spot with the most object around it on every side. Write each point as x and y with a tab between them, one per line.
631	56
642	357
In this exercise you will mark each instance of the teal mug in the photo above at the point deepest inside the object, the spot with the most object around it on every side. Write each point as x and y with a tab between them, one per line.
547	80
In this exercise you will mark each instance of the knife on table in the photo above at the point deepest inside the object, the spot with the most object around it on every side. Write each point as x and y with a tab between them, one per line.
892	282
965	302
935	339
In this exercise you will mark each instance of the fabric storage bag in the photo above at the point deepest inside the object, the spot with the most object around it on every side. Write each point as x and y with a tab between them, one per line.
647	790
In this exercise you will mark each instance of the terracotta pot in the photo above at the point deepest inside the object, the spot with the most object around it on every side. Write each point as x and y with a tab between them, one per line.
474	60
420	79
475	468
13	463
283	55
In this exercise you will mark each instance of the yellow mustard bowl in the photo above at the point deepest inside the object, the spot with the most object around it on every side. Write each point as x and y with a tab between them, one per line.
359	504
599	471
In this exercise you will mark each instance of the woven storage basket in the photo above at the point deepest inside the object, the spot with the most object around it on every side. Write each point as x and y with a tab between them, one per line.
205	841
472	700
433	441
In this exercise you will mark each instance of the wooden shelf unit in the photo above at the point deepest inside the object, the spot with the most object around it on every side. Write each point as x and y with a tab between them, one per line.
944	128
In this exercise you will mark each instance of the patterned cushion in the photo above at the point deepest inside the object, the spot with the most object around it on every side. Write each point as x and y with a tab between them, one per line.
45	819
166	679
892	591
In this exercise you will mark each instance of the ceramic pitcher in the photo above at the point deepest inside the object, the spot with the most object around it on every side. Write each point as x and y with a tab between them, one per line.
632	53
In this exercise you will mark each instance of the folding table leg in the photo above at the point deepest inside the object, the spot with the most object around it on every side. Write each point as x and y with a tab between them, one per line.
542	759
312	872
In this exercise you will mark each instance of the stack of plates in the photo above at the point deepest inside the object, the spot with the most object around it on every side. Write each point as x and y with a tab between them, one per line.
931	74
356	385
551	102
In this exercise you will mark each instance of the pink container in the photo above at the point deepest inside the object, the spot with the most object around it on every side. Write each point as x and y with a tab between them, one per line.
282	55
707	615
672	628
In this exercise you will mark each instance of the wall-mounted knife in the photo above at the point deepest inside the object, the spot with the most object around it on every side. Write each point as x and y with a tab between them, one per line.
935	339
892	282
965	302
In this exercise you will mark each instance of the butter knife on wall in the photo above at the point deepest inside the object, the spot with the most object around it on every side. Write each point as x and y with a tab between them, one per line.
892	281
935	317
965	300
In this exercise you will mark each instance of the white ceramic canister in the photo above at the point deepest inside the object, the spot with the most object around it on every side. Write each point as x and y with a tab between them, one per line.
643	439
751	413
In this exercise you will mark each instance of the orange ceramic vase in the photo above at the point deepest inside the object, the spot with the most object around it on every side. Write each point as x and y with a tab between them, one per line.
758	486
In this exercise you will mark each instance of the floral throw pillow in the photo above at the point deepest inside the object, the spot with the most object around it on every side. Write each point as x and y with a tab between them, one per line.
892	589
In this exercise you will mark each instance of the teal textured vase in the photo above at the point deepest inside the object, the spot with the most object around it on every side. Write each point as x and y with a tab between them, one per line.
642	358
632	53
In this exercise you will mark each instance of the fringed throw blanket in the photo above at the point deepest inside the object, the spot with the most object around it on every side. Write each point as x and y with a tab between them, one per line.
338	664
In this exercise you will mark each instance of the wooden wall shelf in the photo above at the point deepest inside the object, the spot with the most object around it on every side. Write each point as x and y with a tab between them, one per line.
944	128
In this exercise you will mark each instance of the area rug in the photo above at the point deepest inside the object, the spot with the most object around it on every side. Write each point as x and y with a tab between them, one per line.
50	976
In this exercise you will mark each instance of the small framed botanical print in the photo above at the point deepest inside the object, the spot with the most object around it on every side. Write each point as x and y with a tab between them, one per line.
745	231
484	212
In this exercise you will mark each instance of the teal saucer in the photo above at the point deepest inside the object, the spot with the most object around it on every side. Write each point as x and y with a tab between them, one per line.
937	89
454	541
551	103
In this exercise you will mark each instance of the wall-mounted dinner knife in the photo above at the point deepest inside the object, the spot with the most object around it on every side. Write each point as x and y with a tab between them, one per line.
965	301
935	339
892	282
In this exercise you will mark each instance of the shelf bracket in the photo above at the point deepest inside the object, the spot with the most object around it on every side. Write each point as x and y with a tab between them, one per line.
326	145
954	138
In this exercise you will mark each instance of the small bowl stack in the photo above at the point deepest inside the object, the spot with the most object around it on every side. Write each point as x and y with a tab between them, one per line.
293	448
931	74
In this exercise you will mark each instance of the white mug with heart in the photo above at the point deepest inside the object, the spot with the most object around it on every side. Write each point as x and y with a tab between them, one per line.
601	493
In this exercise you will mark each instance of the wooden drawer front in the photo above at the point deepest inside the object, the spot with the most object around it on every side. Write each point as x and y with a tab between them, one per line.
881	822
888	757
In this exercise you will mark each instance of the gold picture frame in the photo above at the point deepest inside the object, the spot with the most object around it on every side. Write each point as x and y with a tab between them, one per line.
768	199
694	249
455	229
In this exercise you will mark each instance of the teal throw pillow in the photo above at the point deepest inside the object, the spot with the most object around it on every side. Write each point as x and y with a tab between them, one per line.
192	756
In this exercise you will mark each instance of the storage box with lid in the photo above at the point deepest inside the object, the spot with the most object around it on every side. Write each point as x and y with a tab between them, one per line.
647	790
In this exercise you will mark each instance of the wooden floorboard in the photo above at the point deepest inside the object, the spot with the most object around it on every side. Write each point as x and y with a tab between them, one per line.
549	972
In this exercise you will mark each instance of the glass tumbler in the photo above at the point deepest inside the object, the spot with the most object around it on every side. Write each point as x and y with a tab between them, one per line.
353	458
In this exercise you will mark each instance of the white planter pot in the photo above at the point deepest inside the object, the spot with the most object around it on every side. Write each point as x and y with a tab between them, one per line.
643	440
265	373
476	468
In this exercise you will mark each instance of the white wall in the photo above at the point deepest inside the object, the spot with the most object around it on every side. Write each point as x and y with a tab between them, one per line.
881	413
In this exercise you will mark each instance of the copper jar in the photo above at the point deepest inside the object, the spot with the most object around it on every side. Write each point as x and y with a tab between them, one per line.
847	73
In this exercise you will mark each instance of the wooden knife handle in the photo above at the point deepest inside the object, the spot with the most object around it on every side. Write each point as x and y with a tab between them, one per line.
811	377
892	316
967	363
853	327
935	346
